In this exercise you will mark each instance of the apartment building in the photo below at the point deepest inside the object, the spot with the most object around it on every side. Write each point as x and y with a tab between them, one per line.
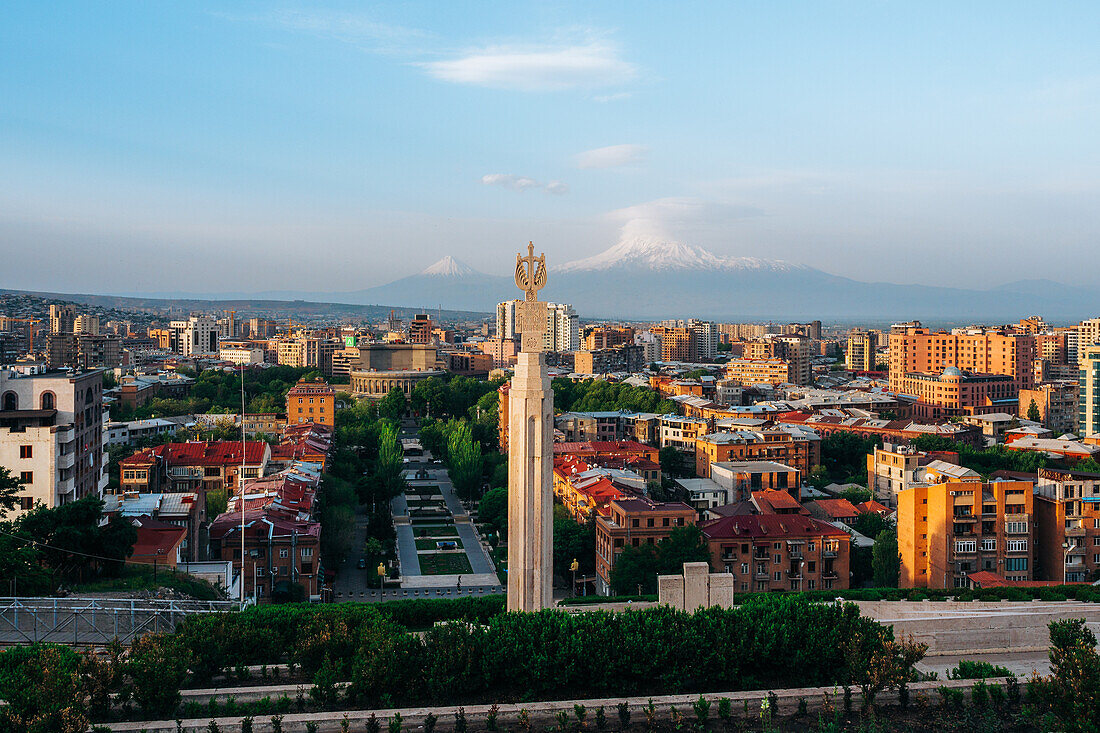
194	467
197	336
954	393
299	352
634	522
280	550
793	349
608	337
623	358
52	436
1067	526
948	530
749	371
311	402
741	479
779	552
62	318
896	467
420	329
82	352
790	448
920	350
240	352
677	343
1088	410
860	351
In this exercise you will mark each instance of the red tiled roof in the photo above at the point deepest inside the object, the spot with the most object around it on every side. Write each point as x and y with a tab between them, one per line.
156	538
873	506
752	526
222	453
838	508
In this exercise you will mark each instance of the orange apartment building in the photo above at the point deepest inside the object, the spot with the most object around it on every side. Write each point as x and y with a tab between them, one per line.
920	350
760	371
632	523
779	552
1057	403
677	343
954	392
1067	526
313	402
947	531
608	337
756	445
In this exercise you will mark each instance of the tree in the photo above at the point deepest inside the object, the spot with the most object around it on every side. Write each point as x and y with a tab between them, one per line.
463	459
430	397
389	466
870	524
636	568
855	495
393	405
844	456
574	541
885	560
683	544
673	464
1033	412
492	510
9	488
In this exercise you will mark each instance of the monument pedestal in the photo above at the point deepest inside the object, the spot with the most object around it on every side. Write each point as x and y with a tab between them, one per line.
530	483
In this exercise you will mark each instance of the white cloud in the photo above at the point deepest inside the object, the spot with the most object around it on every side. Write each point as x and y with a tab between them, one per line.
677	217
612	156
590	65
523	183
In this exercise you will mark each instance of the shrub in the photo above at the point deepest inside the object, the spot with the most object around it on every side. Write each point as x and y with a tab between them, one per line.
429	722
1071	694
979	694
394	726
491	717
971	670
600	719
156	668
460	721
725	710
701	707
41	685
623	711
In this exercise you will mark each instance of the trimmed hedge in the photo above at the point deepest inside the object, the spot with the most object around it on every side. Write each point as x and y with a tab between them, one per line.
303	633
766	643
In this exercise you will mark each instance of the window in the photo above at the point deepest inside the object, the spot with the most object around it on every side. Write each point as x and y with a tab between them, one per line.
26	477
26	451
284	552
1017	545
966	546
989	544
1016	563
810	546
26	503
777	576
744	568
777	559
777	546
260	571
649	522
1015	527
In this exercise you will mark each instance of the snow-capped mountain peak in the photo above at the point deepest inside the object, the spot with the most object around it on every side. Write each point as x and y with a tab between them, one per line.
448	267
656	254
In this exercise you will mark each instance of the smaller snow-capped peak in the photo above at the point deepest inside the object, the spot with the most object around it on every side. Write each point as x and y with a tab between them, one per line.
658	254
448	267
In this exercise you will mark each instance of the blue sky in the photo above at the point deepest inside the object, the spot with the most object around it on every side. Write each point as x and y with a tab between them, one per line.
208	147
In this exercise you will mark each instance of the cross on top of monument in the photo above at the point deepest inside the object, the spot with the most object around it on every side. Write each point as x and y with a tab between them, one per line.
531	272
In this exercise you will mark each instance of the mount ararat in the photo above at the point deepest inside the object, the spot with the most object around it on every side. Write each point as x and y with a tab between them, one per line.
648	278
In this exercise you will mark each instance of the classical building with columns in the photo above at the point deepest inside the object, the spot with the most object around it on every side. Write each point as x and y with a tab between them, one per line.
377	384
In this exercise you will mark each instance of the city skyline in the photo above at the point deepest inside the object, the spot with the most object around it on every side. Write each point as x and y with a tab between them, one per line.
146	143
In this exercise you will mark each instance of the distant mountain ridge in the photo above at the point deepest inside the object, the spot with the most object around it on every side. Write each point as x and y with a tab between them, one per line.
648	278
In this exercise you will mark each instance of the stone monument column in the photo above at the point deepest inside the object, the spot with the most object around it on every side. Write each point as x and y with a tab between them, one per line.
530	450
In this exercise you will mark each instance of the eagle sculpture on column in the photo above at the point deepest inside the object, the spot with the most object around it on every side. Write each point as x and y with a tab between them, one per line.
531	272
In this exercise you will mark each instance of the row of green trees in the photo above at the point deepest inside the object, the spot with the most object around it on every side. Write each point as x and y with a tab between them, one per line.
636	570
220	391
594	395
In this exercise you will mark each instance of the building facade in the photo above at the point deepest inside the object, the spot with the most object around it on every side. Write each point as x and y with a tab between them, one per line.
311	402
947	531
52	436
634	522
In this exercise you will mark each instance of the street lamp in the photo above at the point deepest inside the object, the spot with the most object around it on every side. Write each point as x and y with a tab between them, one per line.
1065	560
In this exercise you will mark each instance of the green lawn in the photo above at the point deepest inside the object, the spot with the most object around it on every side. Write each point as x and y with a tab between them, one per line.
140	577
435	530
423	543
444	564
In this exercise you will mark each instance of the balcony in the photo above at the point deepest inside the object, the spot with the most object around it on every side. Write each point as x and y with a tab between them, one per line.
1075	532
795	553
829	575
965	518
763	576
795	574
67	460
826	552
